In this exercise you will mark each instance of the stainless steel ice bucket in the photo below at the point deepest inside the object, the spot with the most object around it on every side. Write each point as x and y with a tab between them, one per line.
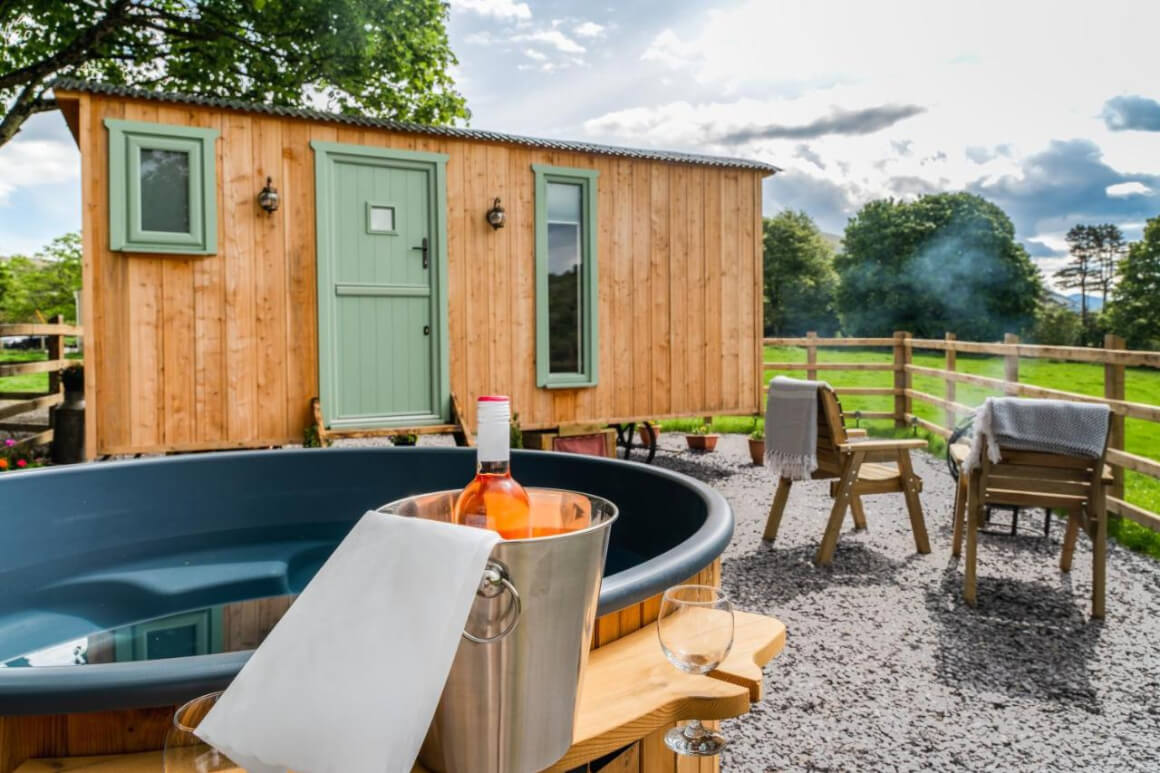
509	705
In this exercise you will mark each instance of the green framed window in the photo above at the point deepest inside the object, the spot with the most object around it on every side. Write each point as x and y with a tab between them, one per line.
162	188
177	636
566	277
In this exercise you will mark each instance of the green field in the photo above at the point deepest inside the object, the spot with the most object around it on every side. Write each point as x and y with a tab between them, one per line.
29	382
1142	386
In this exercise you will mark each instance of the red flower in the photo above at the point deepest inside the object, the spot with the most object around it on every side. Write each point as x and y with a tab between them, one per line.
21	463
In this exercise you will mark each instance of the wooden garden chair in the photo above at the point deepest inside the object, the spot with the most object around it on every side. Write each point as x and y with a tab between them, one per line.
1076	484
858	467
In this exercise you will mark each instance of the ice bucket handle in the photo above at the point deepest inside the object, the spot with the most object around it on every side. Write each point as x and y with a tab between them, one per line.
494	581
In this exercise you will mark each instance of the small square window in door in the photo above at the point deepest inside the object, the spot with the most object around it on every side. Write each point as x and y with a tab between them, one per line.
380	218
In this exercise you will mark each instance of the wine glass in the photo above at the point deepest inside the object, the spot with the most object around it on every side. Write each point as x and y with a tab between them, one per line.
696	633
184	751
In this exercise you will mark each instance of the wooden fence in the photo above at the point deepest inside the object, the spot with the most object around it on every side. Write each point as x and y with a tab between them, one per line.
1113	356
54	334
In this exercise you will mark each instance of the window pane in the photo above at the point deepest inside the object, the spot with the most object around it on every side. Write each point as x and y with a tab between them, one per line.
176	642
165	190
565	306
382	218
564	202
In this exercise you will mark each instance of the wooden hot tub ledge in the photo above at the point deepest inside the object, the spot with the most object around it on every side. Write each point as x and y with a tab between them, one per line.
631	694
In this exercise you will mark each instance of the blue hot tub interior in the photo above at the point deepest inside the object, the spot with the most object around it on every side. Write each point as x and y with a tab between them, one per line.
93	547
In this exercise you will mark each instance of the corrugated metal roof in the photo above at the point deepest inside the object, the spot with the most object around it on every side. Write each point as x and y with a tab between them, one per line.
72	84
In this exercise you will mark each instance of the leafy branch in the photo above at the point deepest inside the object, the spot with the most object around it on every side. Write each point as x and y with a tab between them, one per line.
386	58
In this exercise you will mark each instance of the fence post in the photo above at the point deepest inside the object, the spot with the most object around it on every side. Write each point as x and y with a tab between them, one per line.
55	344
952	357
812	354
1011	364
1114	390
901	377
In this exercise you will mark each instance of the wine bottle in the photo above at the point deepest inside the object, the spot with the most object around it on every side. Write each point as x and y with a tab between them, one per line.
494	500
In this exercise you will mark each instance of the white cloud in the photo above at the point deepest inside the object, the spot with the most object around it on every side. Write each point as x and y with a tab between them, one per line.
552	37
589	29
757	70
1120	190
669	50
482	38
532	53
499	9
25	163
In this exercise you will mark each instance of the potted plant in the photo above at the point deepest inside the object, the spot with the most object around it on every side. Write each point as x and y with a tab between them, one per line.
643	431
700	439
757	445
405	439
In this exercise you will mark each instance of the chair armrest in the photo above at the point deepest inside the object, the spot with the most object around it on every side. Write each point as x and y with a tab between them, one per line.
901	444
855	433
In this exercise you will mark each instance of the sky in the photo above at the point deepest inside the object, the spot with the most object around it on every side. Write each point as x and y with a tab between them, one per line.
1049	109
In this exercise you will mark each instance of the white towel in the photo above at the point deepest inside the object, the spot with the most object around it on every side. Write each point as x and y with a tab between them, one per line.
349	679
791	427
1048	426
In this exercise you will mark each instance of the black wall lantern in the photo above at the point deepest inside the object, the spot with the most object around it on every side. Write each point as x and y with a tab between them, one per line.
268	198
496	215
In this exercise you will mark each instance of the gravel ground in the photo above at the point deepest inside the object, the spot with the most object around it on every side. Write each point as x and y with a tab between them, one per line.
886	669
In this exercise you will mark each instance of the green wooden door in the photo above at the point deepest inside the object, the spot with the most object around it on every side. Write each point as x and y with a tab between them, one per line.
380	320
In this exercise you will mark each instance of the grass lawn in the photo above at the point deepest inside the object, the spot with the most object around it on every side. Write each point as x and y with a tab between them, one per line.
1142	385
27	382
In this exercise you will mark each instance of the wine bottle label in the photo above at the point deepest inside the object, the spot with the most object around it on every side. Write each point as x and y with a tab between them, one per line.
478	520
493	443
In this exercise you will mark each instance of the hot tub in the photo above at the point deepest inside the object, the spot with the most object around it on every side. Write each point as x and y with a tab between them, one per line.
149	555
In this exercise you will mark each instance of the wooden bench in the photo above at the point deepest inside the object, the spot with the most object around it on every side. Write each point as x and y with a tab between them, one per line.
630	692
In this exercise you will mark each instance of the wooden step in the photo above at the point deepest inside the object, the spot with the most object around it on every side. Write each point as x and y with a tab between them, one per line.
426	429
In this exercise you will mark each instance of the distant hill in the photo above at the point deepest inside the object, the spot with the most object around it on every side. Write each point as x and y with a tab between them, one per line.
834	240
1094	302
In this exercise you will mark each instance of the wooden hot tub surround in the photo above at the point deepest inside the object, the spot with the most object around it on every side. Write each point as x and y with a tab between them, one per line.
631	697
97	528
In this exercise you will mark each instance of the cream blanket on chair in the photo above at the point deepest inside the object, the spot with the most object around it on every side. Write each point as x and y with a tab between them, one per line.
791	427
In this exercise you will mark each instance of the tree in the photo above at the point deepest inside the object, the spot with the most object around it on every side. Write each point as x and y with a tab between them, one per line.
1056	325
1134	312
800	281
6	285
387	58
946	262
1083	268
1110	251
44	283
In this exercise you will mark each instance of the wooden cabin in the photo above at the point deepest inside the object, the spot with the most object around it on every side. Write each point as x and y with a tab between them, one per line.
624	284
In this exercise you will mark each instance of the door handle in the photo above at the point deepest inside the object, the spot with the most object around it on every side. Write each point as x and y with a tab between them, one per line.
426	330
423	248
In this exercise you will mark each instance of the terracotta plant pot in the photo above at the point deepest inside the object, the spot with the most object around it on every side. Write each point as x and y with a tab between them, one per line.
757	451
701	442
643	432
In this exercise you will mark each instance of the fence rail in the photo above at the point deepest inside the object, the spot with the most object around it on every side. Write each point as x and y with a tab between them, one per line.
1113	356
54	334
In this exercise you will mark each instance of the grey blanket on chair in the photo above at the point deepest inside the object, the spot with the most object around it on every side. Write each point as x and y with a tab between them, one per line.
1048	426
791	427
